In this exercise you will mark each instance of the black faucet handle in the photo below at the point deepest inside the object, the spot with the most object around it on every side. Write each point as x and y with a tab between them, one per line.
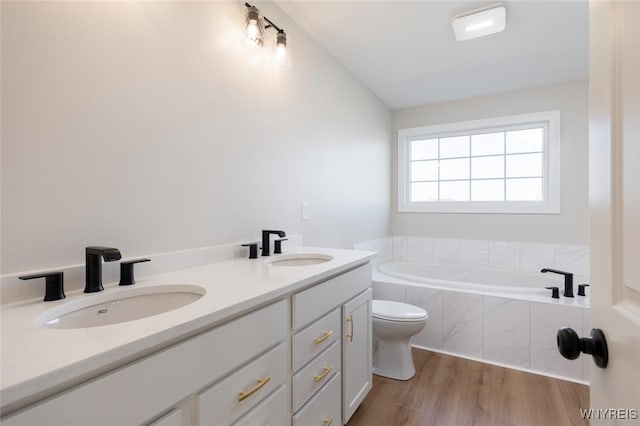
126	271
54	284
555	292
277	248
253	249
581	289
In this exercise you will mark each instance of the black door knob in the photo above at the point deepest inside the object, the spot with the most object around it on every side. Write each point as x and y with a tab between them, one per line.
570	345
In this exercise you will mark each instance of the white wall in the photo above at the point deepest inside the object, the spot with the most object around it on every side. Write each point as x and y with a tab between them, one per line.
148	127
569	227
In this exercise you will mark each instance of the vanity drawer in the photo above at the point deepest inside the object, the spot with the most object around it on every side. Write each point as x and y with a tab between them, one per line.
274	411
311	378
172	418
324	408
228	400
314	302
314	339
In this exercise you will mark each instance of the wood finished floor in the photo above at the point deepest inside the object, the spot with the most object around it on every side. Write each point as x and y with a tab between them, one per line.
454	391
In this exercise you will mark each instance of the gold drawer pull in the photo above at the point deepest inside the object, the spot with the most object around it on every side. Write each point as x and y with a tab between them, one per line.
327	422
261	382
350	335
324	373
324	337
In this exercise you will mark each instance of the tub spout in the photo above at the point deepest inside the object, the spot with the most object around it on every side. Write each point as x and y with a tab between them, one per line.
568	280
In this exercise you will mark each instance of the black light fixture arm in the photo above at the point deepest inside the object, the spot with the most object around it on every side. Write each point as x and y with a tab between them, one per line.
271	24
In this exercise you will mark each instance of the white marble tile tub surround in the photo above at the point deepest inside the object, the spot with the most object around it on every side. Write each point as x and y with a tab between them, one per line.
545	321
430	300
462	323
514	330
504	255
446	251
506	331
515	333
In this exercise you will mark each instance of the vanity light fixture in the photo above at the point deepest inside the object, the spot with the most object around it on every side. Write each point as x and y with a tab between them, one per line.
254	34
479	22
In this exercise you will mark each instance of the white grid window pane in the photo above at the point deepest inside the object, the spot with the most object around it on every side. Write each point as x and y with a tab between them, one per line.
424	170
454	191
454	169
524	189
457	146
529	140
524	165
424	191
487	144
424	149
487	167
487	190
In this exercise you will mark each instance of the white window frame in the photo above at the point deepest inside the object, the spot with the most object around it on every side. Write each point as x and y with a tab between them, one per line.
550	121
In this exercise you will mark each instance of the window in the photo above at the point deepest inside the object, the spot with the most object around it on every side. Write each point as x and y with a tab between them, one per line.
499	165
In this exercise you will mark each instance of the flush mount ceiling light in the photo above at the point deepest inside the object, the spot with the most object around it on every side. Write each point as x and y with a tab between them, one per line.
479	22
254	35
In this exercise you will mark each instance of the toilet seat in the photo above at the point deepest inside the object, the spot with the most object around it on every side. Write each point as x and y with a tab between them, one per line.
397	311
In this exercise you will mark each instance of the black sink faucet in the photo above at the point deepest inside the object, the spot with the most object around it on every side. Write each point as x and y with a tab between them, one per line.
93	282
265	240
568	280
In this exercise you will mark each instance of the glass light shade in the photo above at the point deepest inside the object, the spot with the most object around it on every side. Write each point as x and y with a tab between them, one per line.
281	57
254	33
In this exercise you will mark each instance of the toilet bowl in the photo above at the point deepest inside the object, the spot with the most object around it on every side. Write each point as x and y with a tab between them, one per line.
394	323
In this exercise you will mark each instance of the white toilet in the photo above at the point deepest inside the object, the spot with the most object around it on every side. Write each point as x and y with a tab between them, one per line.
394	323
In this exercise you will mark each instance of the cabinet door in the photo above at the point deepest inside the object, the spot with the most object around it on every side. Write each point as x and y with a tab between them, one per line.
356	353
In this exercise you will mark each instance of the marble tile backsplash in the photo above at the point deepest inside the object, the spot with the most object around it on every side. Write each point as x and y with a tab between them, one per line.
505	255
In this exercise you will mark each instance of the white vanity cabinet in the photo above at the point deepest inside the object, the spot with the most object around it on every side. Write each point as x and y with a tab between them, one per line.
301	359
319	353
153	388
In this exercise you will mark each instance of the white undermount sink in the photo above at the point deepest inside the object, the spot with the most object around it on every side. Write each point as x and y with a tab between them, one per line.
299	259
120	306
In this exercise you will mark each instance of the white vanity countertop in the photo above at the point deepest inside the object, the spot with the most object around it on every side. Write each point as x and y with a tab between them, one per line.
39	361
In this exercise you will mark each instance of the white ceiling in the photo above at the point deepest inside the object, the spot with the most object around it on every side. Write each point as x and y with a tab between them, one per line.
406	53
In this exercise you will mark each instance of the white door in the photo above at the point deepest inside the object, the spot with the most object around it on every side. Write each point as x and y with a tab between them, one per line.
614	186
357	367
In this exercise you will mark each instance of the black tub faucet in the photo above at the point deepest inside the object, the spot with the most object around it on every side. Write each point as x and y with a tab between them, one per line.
93	281
568	280
266	251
